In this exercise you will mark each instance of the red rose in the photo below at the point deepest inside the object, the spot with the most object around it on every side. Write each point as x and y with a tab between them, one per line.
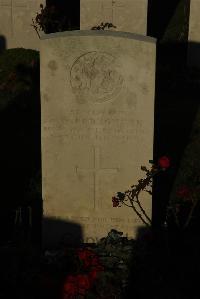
81	254
70	287
83	283
183	192
93	275
88	257
115	201
84	254
164	162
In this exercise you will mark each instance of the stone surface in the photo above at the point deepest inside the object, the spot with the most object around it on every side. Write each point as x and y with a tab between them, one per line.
126	15
194	34
97	108
15	23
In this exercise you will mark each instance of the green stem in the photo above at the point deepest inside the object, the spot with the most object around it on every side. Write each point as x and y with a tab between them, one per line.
139	215
35	27
126	205
190	214
176	219
135	193
143	211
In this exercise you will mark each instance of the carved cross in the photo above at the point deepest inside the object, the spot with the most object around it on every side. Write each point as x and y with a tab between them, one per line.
113	7
97	171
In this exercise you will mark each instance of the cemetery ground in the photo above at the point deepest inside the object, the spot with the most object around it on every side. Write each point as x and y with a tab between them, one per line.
161	263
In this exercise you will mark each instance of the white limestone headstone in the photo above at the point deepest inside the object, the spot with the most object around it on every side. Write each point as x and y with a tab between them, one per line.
97	108
194	34
126	15
15	23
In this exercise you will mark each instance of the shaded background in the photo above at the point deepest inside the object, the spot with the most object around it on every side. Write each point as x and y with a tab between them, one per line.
176	90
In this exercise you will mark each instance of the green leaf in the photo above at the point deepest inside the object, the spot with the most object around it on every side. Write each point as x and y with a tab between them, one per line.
144	168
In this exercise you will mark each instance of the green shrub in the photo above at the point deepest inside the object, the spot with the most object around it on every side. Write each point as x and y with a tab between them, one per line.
55	18
19	123
19	73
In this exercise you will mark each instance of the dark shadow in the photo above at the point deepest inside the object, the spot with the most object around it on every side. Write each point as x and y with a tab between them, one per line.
165	264
24	267
2	43
176	104
159	15
193	56
58	233
147	266
69	14
20	151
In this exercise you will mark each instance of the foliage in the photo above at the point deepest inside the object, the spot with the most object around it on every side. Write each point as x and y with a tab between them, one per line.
18	74
20	123
102	26
178	27
51	19
132	196
99	271
185	195
182	209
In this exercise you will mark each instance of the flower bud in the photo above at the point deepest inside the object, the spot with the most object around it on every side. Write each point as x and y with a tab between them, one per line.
164	162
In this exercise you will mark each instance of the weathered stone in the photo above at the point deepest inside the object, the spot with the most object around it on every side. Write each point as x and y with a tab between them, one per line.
97	106
15	23
194	34
126	15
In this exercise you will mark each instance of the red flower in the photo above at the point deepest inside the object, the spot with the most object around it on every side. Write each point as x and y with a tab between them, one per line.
164	162
183	192
76	285
94	272
83	283
84	253
70	287
80	284
115	201
93	275
88	257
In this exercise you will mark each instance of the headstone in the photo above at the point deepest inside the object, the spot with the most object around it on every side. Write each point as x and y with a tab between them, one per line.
126	15
194	34
97	108
15	23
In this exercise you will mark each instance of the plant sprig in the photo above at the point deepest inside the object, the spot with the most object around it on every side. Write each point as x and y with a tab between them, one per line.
102	26
132	195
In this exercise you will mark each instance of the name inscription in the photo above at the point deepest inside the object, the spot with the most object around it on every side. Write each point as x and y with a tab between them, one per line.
102	126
